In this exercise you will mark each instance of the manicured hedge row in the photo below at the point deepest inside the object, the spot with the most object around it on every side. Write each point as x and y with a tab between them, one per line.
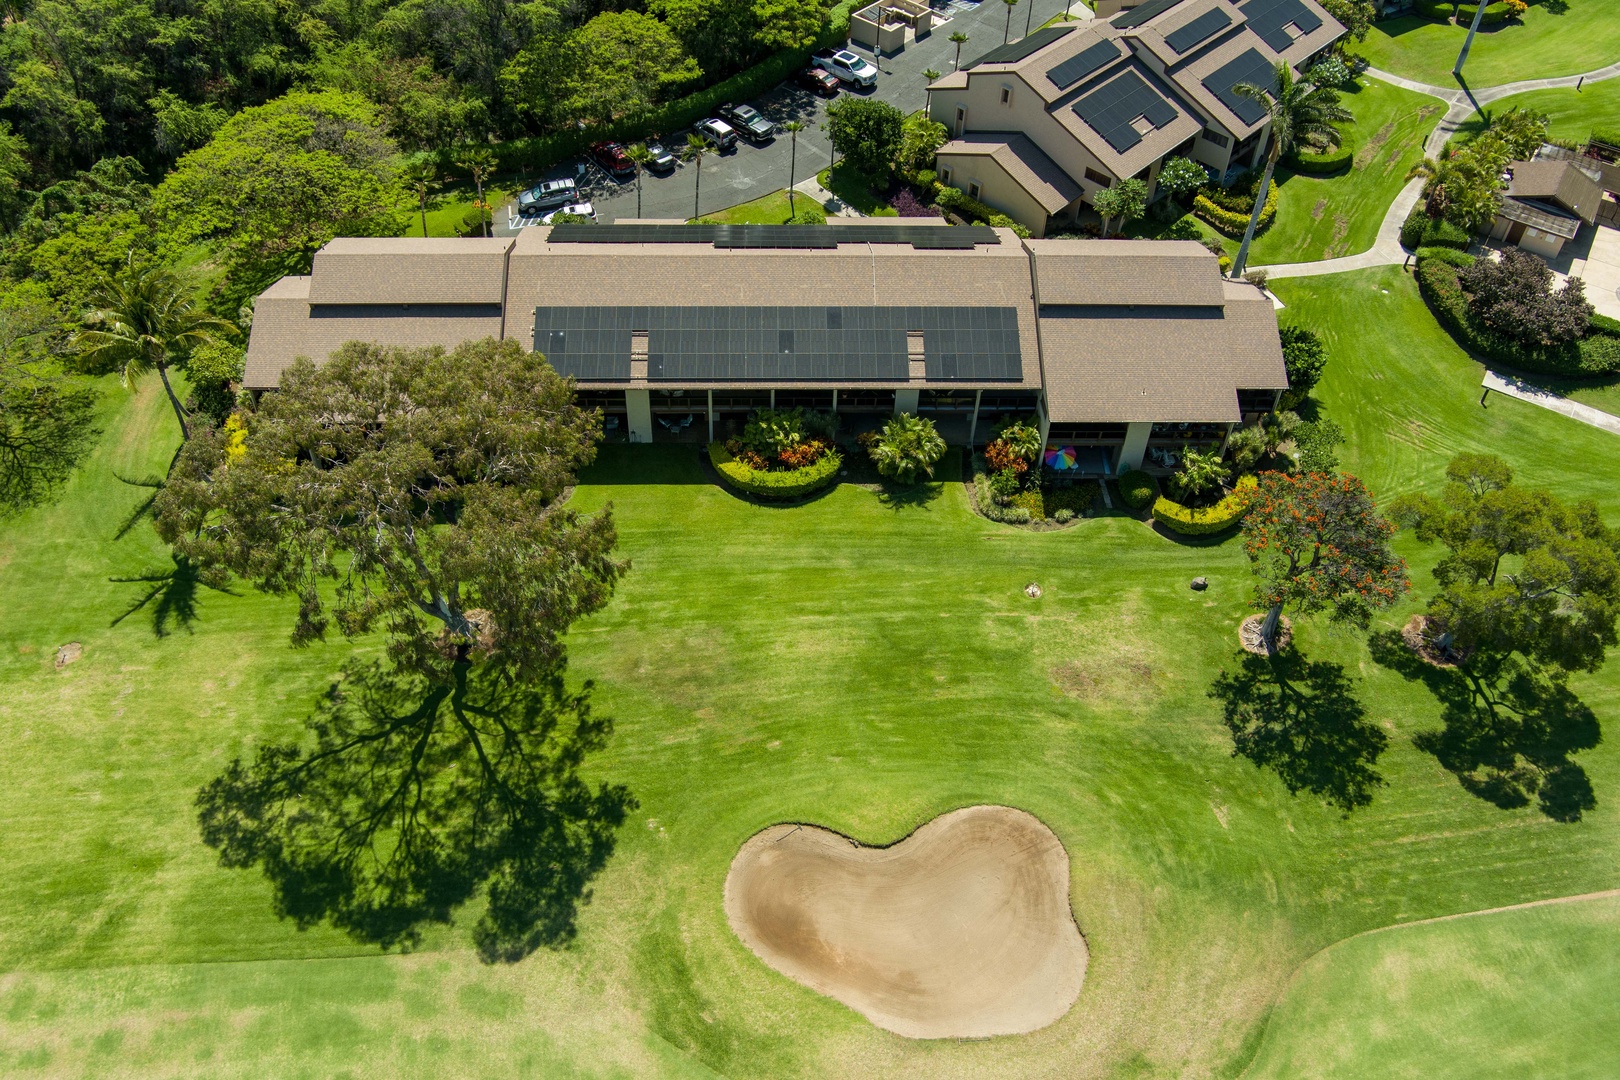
774	485
1437	10
1231	222
1138	489
1494	13
1210	519
1419	230
1597	354
962	203
1330	162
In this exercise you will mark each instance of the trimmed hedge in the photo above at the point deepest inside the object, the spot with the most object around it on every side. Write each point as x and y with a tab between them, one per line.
1321	164
1419	230
1076	498
1231	222
1138	489
1456	258
1438	10
955	199
1210	519
774	485
1596	354
1494	13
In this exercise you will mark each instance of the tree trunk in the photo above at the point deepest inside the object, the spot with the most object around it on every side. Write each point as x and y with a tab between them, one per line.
483	210
179	411
421	197
793	159
697	184
1268	628
1462	57
1242	260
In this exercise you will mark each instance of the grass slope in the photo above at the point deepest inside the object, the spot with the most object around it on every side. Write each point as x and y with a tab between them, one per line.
860	662
772	209
1502	995
1572	114
1325	217
1556	37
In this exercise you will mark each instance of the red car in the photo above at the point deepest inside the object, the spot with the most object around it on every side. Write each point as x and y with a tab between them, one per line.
818	81
611	156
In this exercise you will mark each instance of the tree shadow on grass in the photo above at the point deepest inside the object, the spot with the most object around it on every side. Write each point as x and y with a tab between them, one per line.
405	799
1301	719
1509	729
916	496
172	596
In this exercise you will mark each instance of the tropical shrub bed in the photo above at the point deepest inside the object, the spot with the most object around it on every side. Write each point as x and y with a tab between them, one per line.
1138	489
1598	353
1419	230
774	484
1227	209
781	453
1207	520
1328	161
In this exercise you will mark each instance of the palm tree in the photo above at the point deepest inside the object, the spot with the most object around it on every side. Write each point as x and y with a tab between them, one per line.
1029	14
1462	57
958	39
792	127
1296	109
479	163
144	320
929	75
638	153
1006	31
423	176
696	147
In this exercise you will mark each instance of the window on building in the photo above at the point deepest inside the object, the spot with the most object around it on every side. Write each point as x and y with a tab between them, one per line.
945	401
1098	178
1006	95
609	401
866	401
1086	433
961	119
1188	433
945	176
820	400
1211	135
974	190
1257	400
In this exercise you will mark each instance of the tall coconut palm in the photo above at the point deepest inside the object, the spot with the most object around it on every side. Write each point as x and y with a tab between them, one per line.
958	39
792	127
479	163
1297	109
145	320
638	153
422	176
929	75
1006	31
696	147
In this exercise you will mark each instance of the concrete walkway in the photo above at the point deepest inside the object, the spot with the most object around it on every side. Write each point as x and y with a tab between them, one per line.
1387	250
1516	388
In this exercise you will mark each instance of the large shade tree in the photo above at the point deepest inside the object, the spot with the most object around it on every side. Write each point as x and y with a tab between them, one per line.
1317	543
1297	110
47	422
145	320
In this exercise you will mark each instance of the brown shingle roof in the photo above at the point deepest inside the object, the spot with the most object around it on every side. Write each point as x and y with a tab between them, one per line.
1150	273
1116	365
392	270
1025	162
1560	182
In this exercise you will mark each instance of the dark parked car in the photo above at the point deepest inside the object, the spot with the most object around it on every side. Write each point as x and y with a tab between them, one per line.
662	160
548	195
717	133
817	81
749	123
611	156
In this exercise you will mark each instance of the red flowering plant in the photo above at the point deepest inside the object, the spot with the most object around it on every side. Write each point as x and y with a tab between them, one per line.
1318	543
802	454
1001	457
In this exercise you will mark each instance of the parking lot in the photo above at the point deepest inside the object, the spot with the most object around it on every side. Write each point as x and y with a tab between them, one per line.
748	172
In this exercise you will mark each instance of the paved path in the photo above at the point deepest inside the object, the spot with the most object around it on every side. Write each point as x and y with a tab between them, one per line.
1517	388
1387	250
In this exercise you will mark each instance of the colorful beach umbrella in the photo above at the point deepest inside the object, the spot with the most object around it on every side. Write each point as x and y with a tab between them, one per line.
1061	458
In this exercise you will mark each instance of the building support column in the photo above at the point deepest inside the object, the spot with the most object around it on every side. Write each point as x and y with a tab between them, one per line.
711	415
1043	421
905	401
773	397
638	415
973	425
835	401
1135	448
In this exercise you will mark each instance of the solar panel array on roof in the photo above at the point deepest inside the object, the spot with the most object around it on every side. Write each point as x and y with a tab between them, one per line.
961	237
1198	31
1268	18
1082	64
1014	51
1250	69
781	344
1113	107
1140	14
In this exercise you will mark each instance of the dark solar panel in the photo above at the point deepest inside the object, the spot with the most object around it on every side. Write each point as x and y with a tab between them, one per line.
1250	69
1082	64
777	236
781	344
1014	51
1113	107
1198	31
1140	14
1268	17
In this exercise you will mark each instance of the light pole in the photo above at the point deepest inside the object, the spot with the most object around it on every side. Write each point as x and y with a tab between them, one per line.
1006	31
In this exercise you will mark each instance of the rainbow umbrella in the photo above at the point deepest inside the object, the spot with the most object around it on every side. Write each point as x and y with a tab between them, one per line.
1061	458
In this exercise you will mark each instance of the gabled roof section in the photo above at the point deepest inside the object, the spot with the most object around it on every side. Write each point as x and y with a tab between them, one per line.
1147	273
1194	25
1142	14
431	270
1249	68
1015	52
1024	162
1562	183
1294	29
1209	77
1124	109
1084	64
1126	117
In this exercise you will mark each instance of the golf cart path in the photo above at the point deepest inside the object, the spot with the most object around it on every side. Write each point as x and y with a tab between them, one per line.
1387	250
1546	399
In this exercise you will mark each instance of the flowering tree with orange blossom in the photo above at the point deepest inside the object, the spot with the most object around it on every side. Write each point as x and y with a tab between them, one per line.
1318	543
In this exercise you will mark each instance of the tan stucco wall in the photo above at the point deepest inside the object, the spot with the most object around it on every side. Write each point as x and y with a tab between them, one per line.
996	188
1026	114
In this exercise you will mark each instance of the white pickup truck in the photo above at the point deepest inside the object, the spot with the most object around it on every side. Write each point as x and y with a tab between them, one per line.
846	66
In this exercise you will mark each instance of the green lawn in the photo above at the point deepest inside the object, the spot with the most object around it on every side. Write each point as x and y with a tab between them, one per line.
448	208
1572	114
859	662
855	189
1330	216
1556	37
1505	995
772	209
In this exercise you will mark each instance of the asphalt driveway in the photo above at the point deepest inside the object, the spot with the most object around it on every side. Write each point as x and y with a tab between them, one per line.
749	172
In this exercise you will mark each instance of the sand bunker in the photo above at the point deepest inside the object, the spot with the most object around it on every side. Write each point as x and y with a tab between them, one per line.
961	930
